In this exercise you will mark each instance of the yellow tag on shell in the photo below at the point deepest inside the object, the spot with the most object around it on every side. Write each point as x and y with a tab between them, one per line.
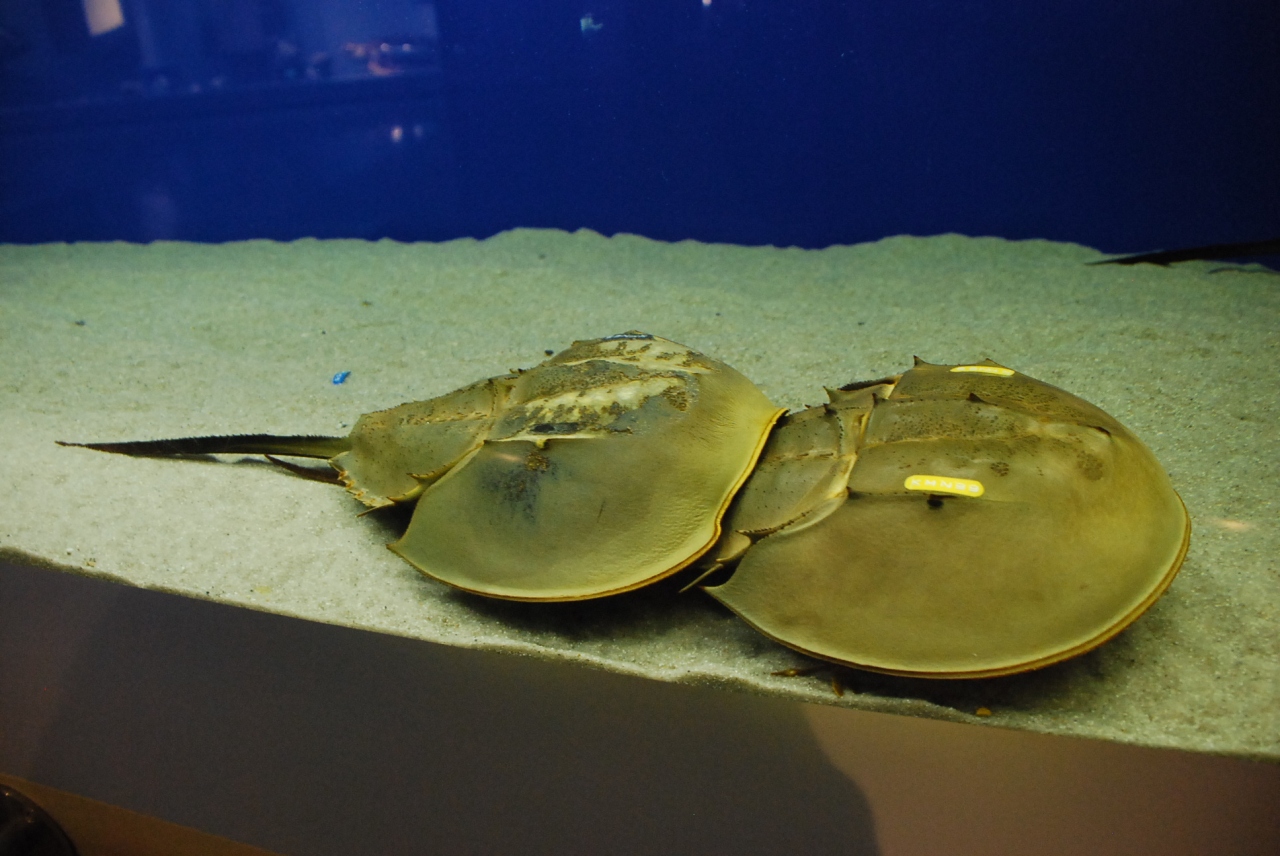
998	371
945	484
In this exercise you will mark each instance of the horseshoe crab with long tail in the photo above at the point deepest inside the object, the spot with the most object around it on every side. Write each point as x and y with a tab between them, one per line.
953	521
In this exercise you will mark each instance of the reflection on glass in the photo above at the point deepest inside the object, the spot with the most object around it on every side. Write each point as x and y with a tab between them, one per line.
102	16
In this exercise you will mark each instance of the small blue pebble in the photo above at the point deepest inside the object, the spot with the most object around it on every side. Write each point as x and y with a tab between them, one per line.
341	377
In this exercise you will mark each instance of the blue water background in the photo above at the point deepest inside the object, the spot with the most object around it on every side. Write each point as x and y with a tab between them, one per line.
1127	126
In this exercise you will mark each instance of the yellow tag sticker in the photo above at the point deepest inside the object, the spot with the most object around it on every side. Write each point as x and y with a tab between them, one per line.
945	484
998	371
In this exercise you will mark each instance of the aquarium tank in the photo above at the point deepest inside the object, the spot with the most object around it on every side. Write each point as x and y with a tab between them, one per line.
798	426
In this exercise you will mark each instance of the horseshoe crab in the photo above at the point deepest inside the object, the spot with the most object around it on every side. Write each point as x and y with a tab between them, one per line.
954	521
950	522
602	469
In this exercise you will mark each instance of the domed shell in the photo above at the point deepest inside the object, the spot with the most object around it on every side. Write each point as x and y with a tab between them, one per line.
952	522
606	467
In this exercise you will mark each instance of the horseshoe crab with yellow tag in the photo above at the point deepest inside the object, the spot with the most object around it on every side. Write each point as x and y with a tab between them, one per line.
951	522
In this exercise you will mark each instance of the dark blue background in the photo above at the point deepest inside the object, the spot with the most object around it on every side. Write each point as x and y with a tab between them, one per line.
1126	126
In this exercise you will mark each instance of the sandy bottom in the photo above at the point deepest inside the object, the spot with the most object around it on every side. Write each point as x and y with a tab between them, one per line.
114	342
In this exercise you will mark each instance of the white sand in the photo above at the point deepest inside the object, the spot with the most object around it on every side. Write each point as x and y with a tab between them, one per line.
182	339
